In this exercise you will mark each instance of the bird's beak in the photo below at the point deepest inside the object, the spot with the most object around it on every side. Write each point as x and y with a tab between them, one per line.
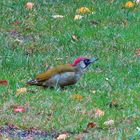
92	60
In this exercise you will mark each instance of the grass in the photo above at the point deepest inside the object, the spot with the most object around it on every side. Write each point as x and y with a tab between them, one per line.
41	40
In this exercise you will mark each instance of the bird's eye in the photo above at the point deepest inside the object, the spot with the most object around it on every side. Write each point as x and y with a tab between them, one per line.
86	61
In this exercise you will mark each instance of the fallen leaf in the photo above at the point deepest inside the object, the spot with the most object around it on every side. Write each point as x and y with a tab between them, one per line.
29	5
129	4
4	82
83	10
77	97
91	125
109	122
21	90
62	136
138	52
74	37
99	113
57	16
78	17
19	109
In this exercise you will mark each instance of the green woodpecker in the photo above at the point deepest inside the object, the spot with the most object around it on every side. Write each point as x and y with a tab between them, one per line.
63	75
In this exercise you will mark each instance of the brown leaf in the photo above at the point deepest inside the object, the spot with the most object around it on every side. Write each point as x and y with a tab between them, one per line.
138	52
91	125
4	82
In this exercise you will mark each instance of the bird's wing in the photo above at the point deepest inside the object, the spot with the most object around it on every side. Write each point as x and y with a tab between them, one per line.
56	70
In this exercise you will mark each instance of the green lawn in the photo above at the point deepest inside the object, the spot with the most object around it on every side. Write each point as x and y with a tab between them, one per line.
40	40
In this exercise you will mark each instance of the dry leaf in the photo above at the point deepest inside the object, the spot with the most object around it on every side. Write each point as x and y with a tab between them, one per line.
138	52
29	5
57	16
74	37
77	97
99	113
21	90
78	17
62	136
91	125
109	122
129	4
19	109
4	82
83	10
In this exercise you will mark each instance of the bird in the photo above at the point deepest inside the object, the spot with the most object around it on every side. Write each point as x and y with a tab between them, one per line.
63	75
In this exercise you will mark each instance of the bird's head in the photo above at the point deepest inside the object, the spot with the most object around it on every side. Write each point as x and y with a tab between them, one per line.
83	62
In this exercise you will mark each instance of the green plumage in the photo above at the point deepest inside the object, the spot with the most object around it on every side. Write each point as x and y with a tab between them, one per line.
56	70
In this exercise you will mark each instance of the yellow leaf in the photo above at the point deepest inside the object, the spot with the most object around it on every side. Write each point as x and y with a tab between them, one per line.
83	10
129	4
21	90
77	97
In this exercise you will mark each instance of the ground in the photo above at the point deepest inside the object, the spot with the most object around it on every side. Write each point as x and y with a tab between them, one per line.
31	40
